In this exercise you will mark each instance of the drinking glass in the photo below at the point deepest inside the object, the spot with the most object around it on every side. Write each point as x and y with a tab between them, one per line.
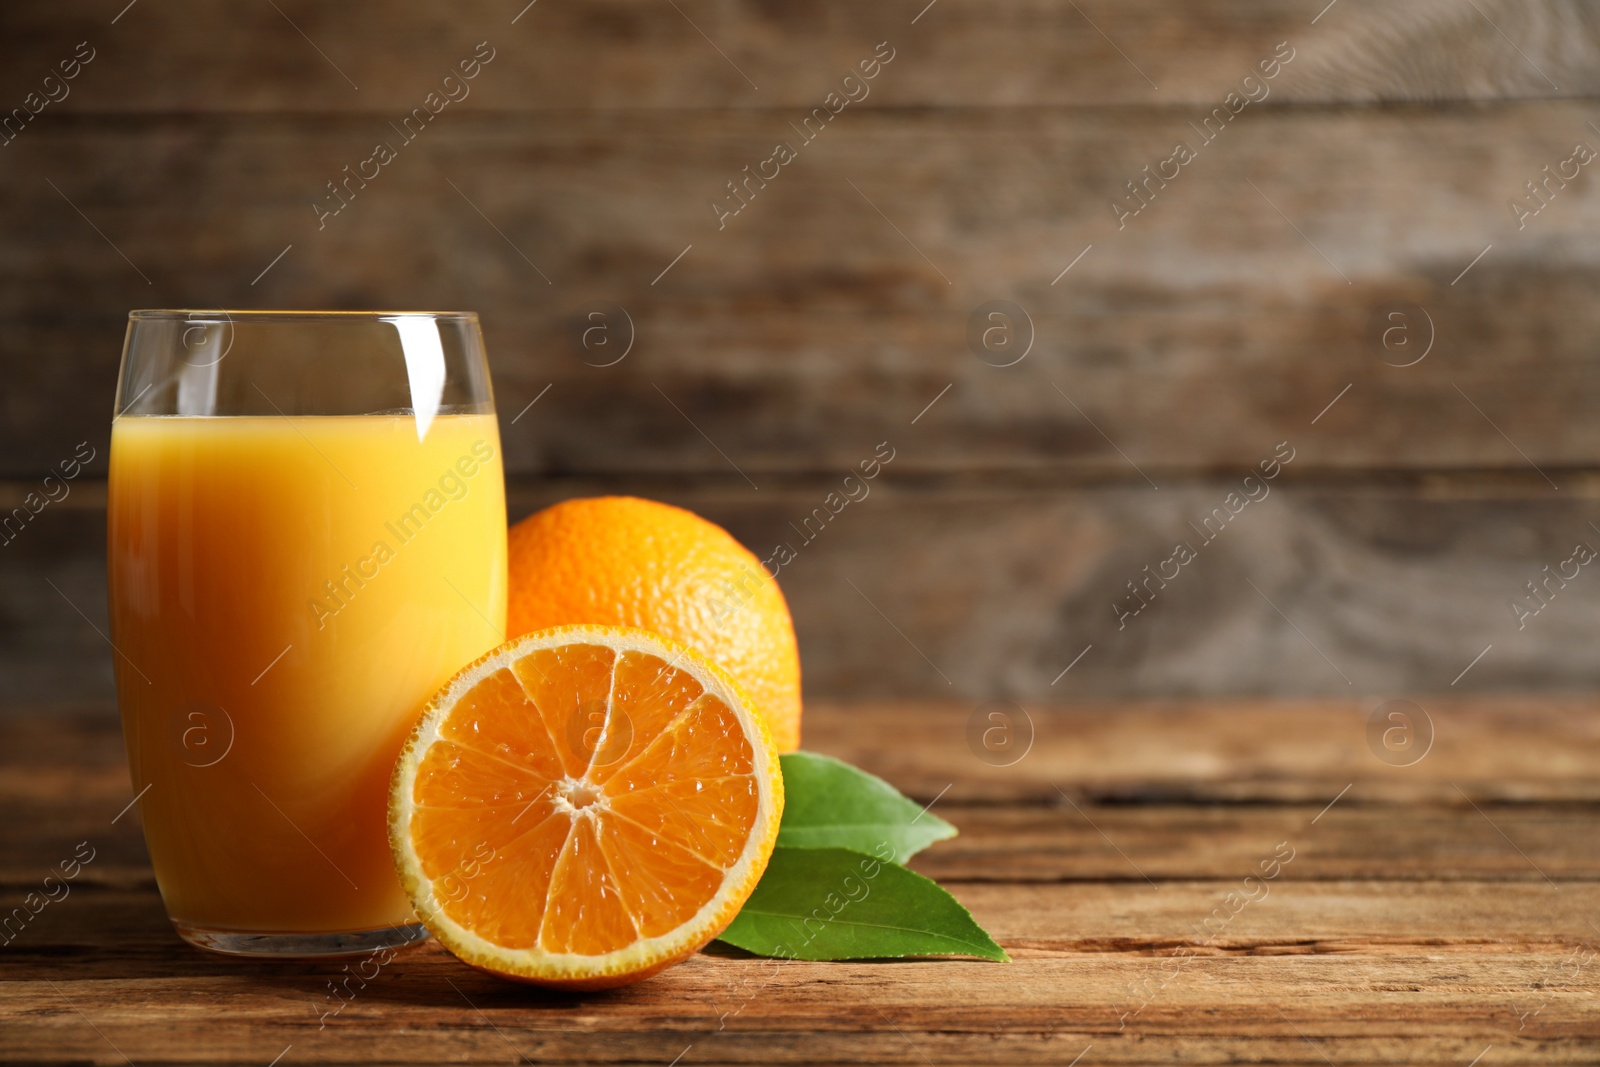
307	537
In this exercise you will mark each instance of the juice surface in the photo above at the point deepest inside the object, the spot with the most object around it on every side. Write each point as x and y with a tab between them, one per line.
285	595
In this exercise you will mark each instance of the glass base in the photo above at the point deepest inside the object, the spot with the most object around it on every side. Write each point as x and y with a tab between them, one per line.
301	946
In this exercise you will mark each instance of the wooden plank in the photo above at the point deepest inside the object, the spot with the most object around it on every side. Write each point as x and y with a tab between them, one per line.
1000	591
1316	965
1499	750
1292	916
1151	943
1145	845
1503	752
1137	795
1141	847
1198	336
1289	917
613	55
1409	1008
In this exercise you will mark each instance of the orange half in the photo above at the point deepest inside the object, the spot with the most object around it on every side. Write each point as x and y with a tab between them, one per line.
584	806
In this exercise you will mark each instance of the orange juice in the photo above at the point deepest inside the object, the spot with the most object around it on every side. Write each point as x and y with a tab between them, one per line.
286	593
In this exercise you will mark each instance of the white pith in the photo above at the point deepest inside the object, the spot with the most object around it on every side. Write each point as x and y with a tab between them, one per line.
563	802
534	961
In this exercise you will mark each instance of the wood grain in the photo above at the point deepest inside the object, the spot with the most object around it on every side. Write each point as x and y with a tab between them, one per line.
1435	954
1268	1009
1118	960
1196	337
1242	307
1297	916
991	594
1127	792
616	55
1544	850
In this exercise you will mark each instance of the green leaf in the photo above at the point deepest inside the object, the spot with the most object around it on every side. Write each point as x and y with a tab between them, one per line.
830	804
835	904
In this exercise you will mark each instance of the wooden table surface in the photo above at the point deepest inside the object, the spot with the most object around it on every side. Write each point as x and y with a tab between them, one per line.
1432	913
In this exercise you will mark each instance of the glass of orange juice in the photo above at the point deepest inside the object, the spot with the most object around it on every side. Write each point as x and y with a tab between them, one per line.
307	537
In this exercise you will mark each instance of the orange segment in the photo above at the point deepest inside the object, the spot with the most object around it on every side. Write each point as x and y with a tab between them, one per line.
584	806
647	697
586	914
708	824
527	740
455	776
475	897
571	687
656	899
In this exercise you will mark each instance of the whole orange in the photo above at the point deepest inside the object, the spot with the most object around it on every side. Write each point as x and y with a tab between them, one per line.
623	561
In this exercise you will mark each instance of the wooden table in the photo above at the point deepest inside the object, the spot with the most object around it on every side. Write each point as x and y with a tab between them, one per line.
1430	913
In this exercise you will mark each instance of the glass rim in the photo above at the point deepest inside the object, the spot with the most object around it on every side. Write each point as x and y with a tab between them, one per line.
183	314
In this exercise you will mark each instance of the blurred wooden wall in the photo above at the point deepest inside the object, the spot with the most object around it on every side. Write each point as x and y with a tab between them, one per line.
1172	350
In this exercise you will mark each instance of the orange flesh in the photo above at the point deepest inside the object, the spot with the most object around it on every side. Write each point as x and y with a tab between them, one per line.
582	800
